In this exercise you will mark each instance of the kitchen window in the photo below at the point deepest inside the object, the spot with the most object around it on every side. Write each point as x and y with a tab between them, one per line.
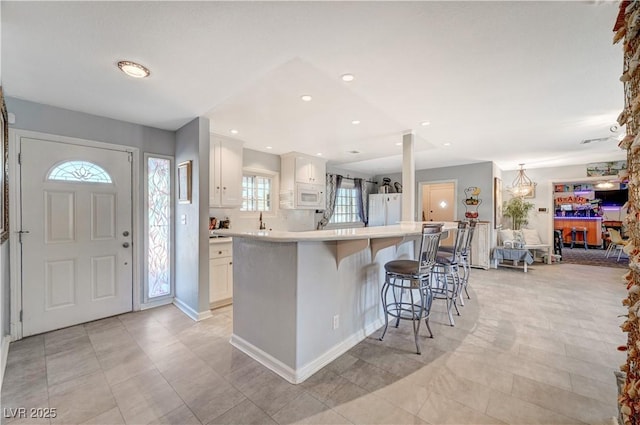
346	210
258	192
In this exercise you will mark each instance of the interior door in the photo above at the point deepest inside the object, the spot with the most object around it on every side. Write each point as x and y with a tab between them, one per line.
438	204
76	241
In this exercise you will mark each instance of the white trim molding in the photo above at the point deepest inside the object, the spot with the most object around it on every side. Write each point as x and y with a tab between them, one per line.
194	315
299	375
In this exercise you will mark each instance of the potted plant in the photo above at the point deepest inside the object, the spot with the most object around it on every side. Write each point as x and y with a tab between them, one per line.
518	210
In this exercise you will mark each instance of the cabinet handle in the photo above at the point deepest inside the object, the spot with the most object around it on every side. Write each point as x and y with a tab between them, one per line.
230	262
225	188
218	187
219	252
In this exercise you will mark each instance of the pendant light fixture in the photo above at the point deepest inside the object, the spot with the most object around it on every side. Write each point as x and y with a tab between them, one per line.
522	185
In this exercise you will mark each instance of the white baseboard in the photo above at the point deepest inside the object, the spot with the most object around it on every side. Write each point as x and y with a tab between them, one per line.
4	353
296	376
191	312
154	304
336	351
265	359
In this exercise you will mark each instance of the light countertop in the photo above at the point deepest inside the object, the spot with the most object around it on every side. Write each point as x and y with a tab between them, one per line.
220	239
397	230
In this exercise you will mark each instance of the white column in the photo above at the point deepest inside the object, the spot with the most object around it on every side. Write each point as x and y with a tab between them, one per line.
408	178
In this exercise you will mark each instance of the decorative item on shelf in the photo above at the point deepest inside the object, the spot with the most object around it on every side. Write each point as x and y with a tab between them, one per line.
398	187
386	186
471	202
522	186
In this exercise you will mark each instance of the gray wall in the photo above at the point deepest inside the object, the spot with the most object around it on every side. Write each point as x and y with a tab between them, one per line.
63	122
479	175
192	237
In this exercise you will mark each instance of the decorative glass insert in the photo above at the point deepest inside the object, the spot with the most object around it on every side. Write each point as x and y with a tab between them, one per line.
79	171
256	193
159	227
346	210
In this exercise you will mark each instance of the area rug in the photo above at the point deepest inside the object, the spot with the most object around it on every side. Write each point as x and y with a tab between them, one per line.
593	257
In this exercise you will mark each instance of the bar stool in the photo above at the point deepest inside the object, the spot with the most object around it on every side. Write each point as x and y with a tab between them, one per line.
445	280
411	278
557	242
577	230
465	257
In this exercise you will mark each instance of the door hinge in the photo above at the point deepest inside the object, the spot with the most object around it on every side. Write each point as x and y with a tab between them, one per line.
20	233
130	156
20	158
21	315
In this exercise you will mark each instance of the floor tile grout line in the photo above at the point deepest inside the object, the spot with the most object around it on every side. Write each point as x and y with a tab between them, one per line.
107	382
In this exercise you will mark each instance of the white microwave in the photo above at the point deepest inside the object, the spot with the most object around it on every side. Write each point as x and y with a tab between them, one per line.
305	196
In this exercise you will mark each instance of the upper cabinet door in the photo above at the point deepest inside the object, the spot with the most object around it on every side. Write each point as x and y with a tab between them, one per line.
317	172
225	173
310	170
303	166
231	174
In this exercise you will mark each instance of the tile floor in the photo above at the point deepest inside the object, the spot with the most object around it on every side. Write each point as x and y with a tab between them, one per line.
529	348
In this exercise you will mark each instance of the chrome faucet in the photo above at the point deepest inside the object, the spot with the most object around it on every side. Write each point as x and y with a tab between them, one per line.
262	226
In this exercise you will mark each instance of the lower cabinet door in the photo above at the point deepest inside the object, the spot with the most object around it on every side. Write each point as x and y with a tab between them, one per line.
220	281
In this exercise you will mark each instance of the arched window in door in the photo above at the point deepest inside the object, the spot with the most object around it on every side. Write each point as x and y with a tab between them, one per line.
79	171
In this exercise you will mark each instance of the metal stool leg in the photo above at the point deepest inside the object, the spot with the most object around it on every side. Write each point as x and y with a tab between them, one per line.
383	295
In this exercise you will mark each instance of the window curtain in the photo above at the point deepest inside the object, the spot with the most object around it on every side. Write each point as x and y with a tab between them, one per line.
334	181
362	191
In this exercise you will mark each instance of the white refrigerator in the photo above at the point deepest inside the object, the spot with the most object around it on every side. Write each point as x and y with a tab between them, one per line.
384	209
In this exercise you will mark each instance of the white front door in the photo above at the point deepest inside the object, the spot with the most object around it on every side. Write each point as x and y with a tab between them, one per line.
76	241
438	204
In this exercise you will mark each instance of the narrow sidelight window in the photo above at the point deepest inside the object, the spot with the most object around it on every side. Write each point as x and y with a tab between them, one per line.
158	227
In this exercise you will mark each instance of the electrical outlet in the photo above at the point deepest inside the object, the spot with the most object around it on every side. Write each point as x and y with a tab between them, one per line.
336	321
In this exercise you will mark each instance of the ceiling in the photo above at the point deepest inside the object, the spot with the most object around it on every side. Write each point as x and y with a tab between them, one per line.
509	82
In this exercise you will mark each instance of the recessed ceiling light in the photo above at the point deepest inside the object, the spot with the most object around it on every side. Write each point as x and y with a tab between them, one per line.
398	143
348	78
446	144
233	131
355	122
425	123
319	154
269	147
133	69
306	97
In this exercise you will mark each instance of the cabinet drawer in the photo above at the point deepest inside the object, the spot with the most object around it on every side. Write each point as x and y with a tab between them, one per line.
220	250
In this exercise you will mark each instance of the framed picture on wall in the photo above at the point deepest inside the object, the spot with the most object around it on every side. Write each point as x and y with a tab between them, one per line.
184	182
497	207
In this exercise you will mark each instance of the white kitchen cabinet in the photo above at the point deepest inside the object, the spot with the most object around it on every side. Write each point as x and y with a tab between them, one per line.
225	172
300	168
220	273
481	246
310	170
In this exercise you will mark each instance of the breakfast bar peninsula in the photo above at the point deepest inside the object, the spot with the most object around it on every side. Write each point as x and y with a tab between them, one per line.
301	299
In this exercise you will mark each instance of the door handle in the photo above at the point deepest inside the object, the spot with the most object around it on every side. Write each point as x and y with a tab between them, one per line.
126	244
